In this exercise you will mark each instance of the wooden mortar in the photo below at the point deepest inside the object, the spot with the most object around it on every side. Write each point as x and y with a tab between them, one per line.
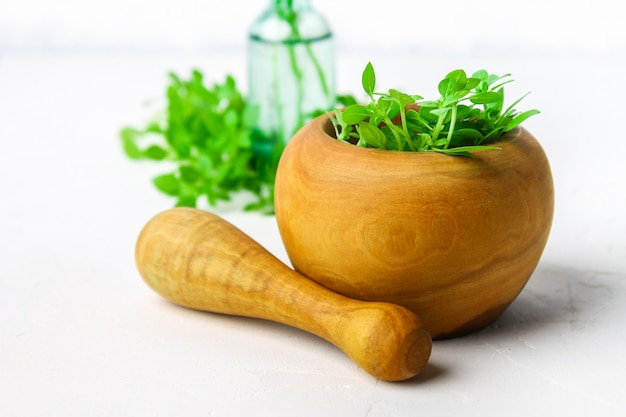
453	239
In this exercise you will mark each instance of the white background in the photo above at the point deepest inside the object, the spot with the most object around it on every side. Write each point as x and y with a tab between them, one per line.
80	334
187	24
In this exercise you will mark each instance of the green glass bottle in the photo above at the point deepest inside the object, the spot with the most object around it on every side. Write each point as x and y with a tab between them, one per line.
291	73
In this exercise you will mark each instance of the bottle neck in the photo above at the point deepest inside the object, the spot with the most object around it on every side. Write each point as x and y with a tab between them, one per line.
290	5
288	10
289	20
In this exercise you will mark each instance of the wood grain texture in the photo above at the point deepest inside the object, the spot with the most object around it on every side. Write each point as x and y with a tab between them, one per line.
453	239
198	260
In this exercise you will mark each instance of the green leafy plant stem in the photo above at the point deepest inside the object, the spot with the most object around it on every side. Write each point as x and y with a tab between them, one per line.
451	128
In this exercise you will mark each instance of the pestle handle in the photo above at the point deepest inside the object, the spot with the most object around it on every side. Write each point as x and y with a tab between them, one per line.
198	260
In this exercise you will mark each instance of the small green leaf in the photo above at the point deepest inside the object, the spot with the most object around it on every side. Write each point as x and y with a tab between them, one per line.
454	98
390	138
441	112
128	137
368	79
492	78
440	143
511	109
453	82
187	200
486	97
465	150
402	98
188	173
454	151
154	152
178	137
481	75
428	104
473	134
154	127
167	184
416	122
520	118
372	135
354	114
384	105
427	115
472	83
423	142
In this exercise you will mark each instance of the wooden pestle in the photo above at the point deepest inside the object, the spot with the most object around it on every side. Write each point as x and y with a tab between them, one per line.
198	260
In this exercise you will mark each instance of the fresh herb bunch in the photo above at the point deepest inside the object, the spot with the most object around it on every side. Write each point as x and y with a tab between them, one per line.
209	135
468	116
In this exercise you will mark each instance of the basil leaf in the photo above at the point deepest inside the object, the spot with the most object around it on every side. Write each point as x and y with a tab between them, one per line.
368	79
372	135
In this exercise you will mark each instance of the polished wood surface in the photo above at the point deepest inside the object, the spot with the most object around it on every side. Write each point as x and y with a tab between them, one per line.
198	260
454	239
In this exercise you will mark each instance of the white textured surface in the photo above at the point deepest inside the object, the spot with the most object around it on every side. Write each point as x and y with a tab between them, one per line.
81	335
